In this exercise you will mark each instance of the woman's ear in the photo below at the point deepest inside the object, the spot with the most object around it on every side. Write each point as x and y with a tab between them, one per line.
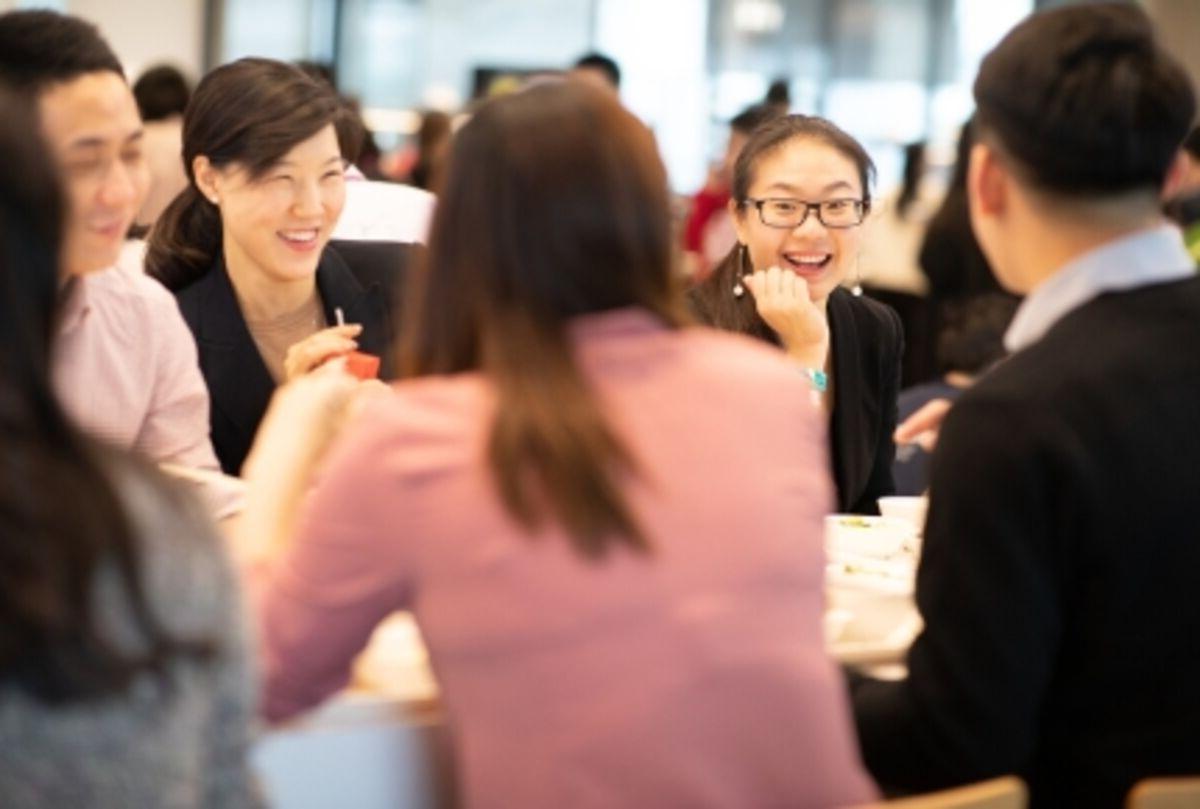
207	179
739	226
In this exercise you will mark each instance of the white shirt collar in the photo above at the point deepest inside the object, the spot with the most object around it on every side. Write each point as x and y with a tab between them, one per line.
1152	256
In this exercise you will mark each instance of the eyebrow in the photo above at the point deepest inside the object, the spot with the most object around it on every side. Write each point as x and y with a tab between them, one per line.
834	186
96	142
337	159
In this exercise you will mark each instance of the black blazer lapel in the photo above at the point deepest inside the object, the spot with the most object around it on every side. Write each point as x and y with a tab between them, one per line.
369	306
239	384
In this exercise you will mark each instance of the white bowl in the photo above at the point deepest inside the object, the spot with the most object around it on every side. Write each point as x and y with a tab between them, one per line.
910	510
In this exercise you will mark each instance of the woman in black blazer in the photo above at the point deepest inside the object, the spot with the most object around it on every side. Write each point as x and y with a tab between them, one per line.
801	189
245	246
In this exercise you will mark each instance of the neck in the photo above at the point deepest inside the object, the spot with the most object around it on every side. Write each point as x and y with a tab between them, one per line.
1049	243
262	297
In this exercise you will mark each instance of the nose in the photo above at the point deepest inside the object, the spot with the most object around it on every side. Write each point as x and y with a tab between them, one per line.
308	199
811	220
120	185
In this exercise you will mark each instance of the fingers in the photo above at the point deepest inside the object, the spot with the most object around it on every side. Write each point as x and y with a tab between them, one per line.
922	426
316	349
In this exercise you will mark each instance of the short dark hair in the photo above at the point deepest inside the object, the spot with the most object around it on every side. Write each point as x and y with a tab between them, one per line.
42	48
605	64
1085	100
160	92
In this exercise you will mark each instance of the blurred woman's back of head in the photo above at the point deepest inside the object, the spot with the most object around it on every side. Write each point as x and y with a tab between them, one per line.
554	205
31	220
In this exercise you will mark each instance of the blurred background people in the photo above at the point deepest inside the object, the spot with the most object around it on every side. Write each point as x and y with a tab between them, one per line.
555	452
951	258
971	342
598	70
801	189
708	233
124	667
779	96
244	247
162	94
889	265
1061	560
433	145
124	363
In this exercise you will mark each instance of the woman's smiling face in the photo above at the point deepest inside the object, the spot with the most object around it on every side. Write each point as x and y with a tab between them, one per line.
804	169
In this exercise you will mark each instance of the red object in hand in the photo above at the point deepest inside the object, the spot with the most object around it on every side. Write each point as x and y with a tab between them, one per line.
363	366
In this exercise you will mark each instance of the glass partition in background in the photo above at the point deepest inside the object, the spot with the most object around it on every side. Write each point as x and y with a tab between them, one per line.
889	71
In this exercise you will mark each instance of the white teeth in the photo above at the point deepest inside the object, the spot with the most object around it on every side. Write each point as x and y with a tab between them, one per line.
298	235
808	259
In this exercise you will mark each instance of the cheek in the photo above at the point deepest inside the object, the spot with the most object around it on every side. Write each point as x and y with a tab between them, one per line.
764	245
846	243
335	200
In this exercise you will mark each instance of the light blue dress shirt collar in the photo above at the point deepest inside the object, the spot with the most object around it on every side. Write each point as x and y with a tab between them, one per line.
1152	256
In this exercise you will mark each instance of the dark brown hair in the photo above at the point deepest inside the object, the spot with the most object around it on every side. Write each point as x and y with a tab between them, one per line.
554	205
713	301
61	521
248	113
1085	100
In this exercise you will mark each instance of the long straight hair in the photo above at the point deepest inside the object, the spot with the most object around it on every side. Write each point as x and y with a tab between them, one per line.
248	113
60	519
554	205
713	301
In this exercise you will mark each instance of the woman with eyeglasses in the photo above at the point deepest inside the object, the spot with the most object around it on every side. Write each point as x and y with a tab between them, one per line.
801	191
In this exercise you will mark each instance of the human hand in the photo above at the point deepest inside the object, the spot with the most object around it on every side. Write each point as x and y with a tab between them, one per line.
317	349
921	428
301	420
782	299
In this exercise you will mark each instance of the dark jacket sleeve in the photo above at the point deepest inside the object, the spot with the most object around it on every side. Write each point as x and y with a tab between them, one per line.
988	593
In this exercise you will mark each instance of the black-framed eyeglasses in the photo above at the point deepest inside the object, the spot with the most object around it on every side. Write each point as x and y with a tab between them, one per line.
787	213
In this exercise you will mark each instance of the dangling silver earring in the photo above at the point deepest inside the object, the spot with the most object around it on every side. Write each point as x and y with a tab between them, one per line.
857	289
738	289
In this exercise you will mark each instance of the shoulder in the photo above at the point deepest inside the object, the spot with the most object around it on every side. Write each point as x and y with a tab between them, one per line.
875	322
126	284
134	306
168	523
865	310
191	297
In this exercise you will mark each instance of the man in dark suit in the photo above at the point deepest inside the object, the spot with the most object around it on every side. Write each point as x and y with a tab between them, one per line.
1061	565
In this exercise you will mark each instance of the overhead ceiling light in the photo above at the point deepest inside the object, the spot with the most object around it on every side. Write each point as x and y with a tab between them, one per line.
757	16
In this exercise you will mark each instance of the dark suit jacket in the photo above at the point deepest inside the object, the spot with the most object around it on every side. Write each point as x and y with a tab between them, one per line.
239	384
866	343
1061	567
